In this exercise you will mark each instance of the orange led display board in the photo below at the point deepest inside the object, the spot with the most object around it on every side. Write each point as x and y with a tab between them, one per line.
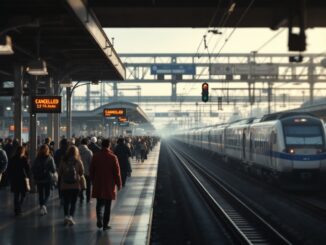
123	119
46	104
114	112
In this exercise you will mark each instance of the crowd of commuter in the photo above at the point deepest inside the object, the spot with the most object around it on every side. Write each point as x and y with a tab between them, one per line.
90	165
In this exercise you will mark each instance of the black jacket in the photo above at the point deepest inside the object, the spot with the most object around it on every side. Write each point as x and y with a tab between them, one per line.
123	153
94	148
18	170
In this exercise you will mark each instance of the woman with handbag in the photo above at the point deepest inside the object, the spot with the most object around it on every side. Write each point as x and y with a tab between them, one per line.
19	171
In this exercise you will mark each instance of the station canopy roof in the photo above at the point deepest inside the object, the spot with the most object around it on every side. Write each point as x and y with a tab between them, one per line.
65	34
204	13
133	112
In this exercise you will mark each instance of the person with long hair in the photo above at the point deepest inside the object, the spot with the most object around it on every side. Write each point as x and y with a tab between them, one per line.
71	171
19	170
43	168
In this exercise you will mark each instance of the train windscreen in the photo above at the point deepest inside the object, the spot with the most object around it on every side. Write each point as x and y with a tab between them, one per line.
303	135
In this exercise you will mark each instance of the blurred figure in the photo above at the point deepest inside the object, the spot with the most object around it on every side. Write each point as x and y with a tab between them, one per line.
19	170
58	156
43	168
71	171
122	151
93	146
3	162
86	156
105	175
143	150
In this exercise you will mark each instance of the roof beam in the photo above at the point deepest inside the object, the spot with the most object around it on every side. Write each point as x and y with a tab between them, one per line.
91	24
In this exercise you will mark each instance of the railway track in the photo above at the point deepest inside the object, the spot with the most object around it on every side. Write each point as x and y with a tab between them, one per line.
245	225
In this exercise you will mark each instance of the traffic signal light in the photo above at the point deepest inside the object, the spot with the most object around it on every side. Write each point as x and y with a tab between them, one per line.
204	92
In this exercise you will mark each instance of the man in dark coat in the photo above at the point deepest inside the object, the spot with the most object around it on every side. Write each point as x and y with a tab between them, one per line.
93	146
105	175
123	153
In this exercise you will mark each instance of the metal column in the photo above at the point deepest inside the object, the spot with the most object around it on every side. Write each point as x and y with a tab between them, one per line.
68	116
32	122
18	95
115	91
269	96
311	71
88	97
56	117
174	91
50	115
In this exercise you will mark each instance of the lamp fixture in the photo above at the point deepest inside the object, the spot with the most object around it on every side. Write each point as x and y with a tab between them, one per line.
6	45
66	83
37	68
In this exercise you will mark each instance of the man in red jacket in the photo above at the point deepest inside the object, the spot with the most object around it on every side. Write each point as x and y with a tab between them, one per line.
105	175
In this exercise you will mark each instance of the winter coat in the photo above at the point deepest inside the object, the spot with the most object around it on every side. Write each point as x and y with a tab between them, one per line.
105	175
48	164
94	148
58	155
18	170
86	156
79	169
123	153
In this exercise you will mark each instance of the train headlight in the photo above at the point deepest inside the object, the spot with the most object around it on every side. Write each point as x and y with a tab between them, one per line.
290	150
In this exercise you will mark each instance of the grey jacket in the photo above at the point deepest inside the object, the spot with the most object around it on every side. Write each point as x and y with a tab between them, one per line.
86	156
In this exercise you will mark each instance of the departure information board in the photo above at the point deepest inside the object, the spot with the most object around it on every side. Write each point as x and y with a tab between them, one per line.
46	104
114	112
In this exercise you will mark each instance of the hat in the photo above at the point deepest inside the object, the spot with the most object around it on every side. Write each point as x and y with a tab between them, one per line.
93	139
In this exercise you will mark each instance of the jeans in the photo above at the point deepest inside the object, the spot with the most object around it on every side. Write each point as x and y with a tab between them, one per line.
69	201
44	193
106	204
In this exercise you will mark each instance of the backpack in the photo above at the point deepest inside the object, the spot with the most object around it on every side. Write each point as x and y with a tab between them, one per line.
40	170
69	175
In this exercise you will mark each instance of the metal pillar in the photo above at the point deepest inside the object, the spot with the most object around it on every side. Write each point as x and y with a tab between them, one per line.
50	116
56	117
88	97
68	116
32	122
115	91
269	96
174	91
311	71
18	95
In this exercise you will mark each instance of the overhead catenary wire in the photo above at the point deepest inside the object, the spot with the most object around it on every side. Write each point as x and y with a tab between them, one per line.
236	26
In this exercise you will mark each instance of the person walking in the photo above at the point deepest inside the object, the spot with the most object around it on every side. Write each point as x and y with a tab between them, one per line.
3	162
58	156
93	146
86	156
105	176
19	170
122	151
71	171
43	168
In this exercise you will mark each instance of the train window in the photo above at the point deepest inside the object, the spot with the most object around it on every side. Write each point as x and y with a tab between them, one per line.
303	135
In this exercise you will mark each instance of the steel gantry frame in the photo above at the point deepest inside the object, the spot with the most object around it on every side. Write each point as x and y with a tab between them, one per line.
245	88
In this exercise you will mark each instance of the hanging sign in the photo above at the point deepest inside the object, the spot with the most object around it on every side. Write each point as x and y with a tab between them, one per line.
46	104
114	112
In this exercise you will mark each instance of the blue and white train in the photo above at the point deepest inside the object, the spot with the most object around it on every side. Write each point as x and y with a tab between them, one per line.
285	146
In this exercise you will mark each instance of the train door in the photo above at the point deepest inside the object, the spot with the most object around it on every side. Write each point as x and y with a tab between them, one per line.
272	160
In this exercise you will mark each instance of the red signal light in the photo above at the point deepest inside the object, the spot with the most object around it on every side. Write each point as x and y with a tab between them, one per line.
205	86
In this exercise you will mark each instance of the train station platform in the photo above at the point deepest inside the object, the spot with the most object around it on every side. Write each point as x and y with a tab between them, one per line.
131	215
